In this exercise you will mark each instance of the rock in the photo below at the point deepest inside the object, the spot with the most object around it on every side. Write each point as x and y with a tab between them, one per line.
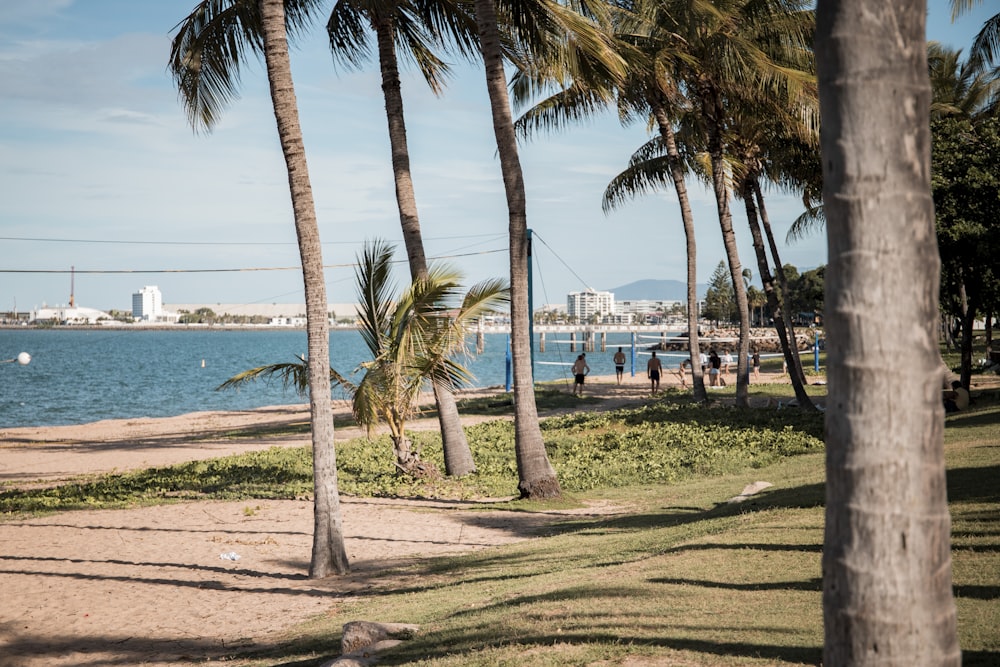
360	635
750	490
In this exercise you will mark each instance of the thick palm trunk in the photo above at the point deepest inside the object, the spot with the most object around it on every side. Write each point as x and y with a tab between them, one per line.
795	367
767	281
687	219
714	112
536	476
887	593
457	455
328	553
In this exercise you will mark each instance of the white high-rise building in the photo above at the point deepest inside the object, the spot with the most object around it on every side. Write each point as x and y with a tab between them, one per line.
582	305
147	304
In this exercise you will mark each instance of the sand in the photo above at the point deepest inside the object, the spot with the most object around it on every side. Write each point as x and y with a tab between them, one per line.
149	586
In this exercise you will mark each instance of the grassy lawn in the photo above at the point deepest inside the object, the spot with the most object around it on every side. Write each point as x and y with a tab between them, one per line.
676	576
681	578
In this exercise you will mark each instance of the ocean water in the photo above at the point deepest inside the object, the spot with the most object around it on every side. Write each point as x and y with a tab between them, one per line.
78	376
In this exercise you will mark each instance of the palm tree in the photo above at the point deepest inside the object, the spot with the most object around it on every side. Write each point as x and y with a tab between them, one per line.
986	45
539	24
887	591
759	146
648	92
416	28
204	59
412	338
733	59
960	89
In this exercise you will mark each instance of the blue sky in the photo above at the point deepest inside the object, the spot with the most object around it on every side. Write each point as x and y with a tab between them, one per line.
100	170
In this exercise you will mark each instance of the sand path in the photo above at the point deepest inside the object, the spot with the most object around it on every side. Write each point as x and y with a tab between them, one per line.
148	586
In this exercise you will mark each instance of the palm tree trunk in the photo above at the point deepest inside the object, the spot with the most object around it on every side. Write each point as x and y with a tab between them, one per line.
458	459
328	553
772	299
687	219
796	366
714	112
536	476
887	590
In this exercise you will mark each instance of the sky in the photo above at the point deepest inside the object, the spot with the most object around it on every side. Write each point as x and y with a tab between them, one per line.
100	170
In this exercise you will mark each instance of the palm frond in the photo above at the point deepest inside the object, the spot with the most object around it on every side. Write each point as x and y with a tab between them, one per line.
211	44
292	374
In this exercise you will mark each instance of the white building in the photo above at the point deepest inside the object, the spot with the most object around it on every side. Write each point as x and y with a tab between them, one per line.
147	303
646	306
583	305
147	306
70	315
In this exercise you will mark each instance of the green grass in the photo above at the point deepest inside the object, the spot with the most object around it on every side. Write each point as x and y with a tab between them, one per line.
677	577
681	578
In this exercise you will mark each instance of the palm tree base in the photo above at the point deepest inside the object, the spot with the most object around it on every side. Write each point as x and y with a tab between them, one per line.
542	489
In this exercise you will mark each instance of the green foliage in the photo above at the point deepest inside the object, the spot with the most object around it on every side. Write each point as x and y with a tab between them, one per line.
966	189
720	299
659	443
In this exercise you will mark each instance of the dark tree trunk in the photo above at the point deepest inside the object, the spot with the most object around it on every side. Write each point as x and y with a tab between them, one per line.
887	588
803	399
458	459
536	476
687	220
329	555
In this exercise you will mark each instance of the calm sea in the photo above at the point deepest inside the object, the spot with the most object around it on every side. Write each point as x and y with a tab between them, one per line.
85	375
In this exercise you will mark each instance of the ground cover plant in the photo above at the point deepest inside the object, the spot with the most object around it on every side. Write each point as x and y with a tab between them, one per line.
661	442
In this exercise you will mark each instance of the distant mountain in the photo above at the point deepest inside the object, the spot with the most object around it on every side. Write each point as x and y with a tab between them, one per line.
656	290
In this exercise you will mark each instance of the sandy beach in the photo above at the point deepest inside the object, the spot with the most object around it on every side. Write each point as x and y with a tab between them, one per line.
149	585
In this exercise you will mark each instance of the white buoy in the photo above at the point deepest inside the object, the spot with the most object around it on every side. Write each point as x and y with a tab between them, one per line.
24	358
202	363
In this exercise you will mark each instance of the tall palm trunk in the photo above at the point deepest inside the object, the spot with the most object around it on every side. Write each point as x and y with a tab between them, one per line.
457	455
687	219
887	592
767	281
328	553
714	113
536	476
796	366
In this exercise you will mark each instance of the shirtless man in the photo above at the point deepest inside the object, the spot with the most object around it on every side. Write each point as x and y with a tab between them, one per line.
653	370
619	364
580	371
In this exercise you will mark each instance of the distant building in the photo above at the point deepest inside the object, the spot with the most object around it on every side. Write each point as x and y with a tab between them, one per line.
583	305
646	306
147	306
70	315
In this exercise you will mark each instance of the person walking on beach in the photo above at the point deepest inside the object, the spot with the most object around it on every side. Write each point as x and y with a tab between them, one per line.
727	360
653	370
619	364
755	361
580	371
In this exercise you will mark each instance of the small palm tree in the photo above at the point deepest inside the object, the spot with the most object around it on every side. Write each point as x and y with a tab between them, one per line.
412	341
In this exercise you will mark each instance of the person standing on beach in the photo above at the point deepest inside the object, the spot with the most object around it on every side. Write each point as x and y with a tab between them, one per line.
755	361
580	371
727	360
653	370
682	372
715	363
619	364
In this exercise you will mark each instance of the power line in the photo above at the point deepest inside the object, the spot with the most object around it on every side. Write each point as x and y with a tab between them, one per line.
217	243
583	282
236	270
